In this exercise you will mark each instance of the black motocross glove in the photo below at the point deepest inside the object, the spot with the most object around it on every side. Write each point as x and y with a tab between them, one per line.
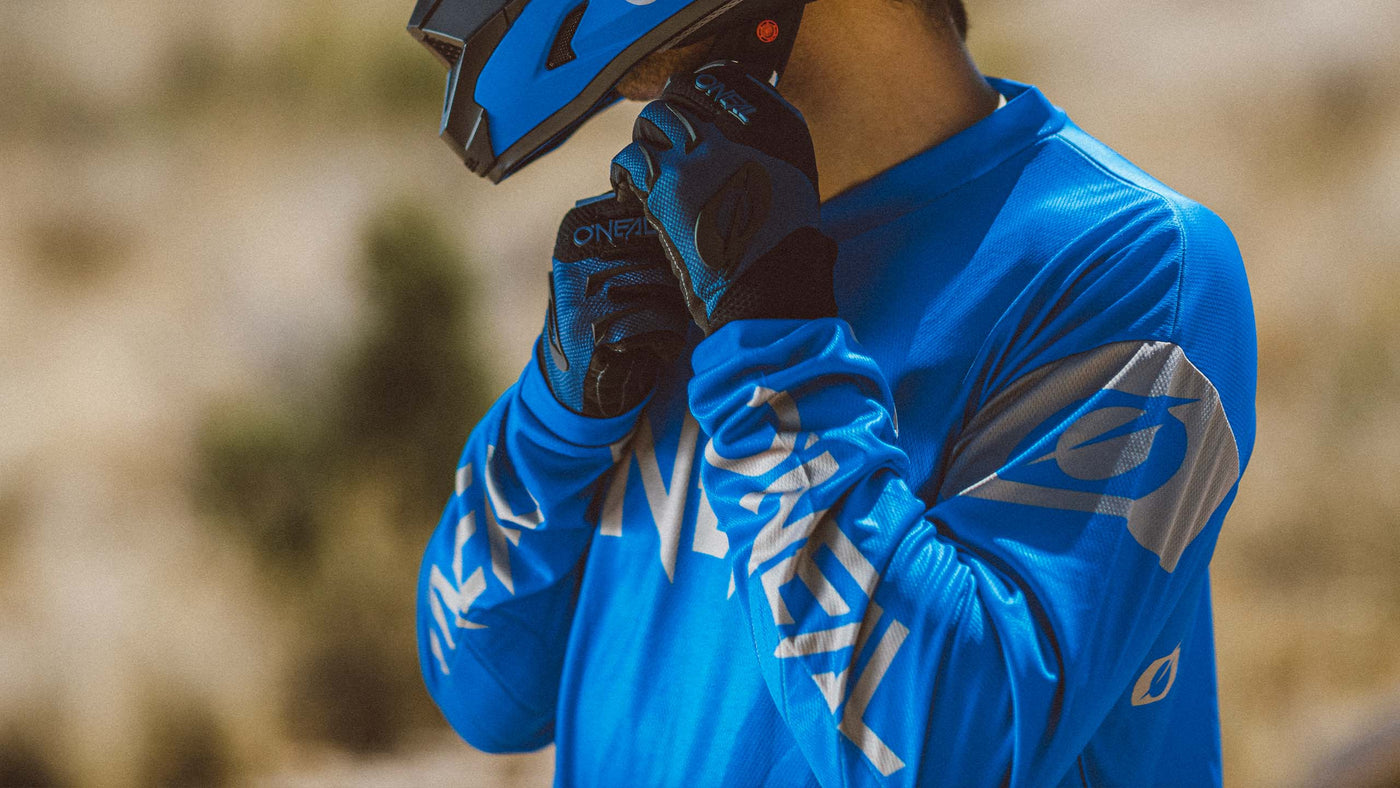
725	170
615	317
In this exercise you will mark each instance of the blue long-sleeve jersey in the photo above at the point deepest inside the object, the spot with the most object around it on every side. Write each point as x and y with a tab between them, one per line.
957	536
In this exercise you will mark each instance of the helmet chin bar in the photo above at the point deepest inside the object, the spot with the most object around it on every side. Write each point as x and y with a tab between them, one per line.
463	35
464	127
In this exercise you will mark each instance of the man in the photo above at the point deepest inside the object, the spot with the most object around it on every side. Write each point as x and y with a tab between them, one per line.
891	455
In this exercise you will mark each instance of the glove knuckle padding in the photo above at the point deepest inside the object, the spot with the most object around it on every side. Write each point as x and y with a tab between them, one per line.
731	217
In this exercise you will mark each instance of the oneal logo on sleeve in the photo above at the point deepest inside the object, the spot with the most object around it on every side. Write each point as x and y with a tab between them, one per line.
615	232
1152	446
729	99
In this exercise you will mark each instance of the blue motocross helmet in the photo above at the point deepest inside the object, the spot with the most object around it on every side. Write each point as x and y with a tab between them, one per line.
524	74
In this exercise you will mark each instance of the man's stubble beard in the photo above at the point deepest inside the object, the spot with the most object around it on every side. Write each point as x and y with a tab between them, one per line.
644	81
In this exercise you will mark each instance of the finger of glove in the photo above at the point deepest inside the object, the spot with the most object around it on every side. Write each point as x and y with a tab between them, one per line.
650	292
663	127
608	276
618	381
625	325
586	290
665	346
658	295
746	111
589	297
634	171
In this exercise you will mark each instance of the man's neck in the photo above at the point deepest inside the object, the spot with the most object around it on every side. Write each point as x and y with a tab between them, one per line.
877	84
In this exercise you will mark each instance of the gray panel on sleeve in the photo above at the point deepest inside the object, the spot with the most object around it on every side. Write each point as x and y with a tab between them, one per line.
1163	457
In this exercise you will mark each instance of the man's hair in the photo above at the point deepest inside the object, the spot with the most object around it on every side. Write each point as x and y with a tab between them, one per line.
949	11
958	12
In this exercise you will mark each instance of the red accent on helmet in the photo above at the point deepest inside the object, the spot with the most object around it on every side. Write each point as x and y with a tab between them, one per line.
767	31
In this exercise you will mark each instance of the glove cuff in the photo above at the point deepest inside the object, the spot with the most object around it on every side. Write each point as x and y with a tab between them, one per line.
794	280
620	375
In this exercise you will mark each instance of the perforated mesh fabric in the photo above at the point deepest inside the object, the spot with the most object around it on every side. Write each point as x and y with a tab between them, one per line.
563	51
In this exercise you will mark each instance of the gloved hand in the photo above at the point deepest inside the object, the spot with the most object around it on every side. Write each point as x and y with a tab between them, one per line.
615	318
725	170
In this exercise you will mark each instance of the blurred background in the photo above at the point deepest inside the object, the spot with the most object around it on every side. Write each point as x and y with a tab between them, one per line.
250	307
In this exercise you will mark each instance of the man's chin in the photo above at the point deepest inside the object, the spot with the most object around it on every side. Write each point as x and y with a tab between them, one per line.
644	81
635	90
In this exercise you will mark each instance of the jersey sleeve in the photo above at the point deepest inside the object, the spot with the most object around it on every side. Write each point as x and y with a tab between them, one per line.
980	638
499	577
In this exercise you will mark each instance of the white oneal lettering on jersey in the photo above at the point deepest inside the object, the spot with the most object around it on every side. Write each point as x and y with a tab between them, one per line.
810	533
497	533
454	596
450	599
667	502
708	538
611	522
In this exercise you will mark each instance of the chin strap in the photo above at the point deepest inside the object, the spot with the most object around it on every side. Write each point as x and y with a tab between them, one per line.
758	35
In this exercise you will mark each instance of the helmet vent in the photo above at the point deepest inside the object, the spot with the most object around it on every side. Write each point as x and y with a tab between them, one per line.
445	49
563	50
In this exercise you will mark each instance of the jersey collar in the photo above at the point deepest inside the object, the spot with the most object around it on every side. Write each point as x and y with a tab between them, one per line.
1027	118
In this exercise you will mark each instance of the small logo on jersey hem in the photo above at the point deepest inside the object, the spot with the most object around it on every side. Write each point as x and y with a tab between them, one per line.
1157	680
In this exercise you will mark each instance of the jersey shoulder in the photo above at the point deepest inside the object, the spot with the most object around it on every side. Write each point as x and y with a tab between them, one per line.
1112	223
1202	236
1137	216
1120	256
1213	318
